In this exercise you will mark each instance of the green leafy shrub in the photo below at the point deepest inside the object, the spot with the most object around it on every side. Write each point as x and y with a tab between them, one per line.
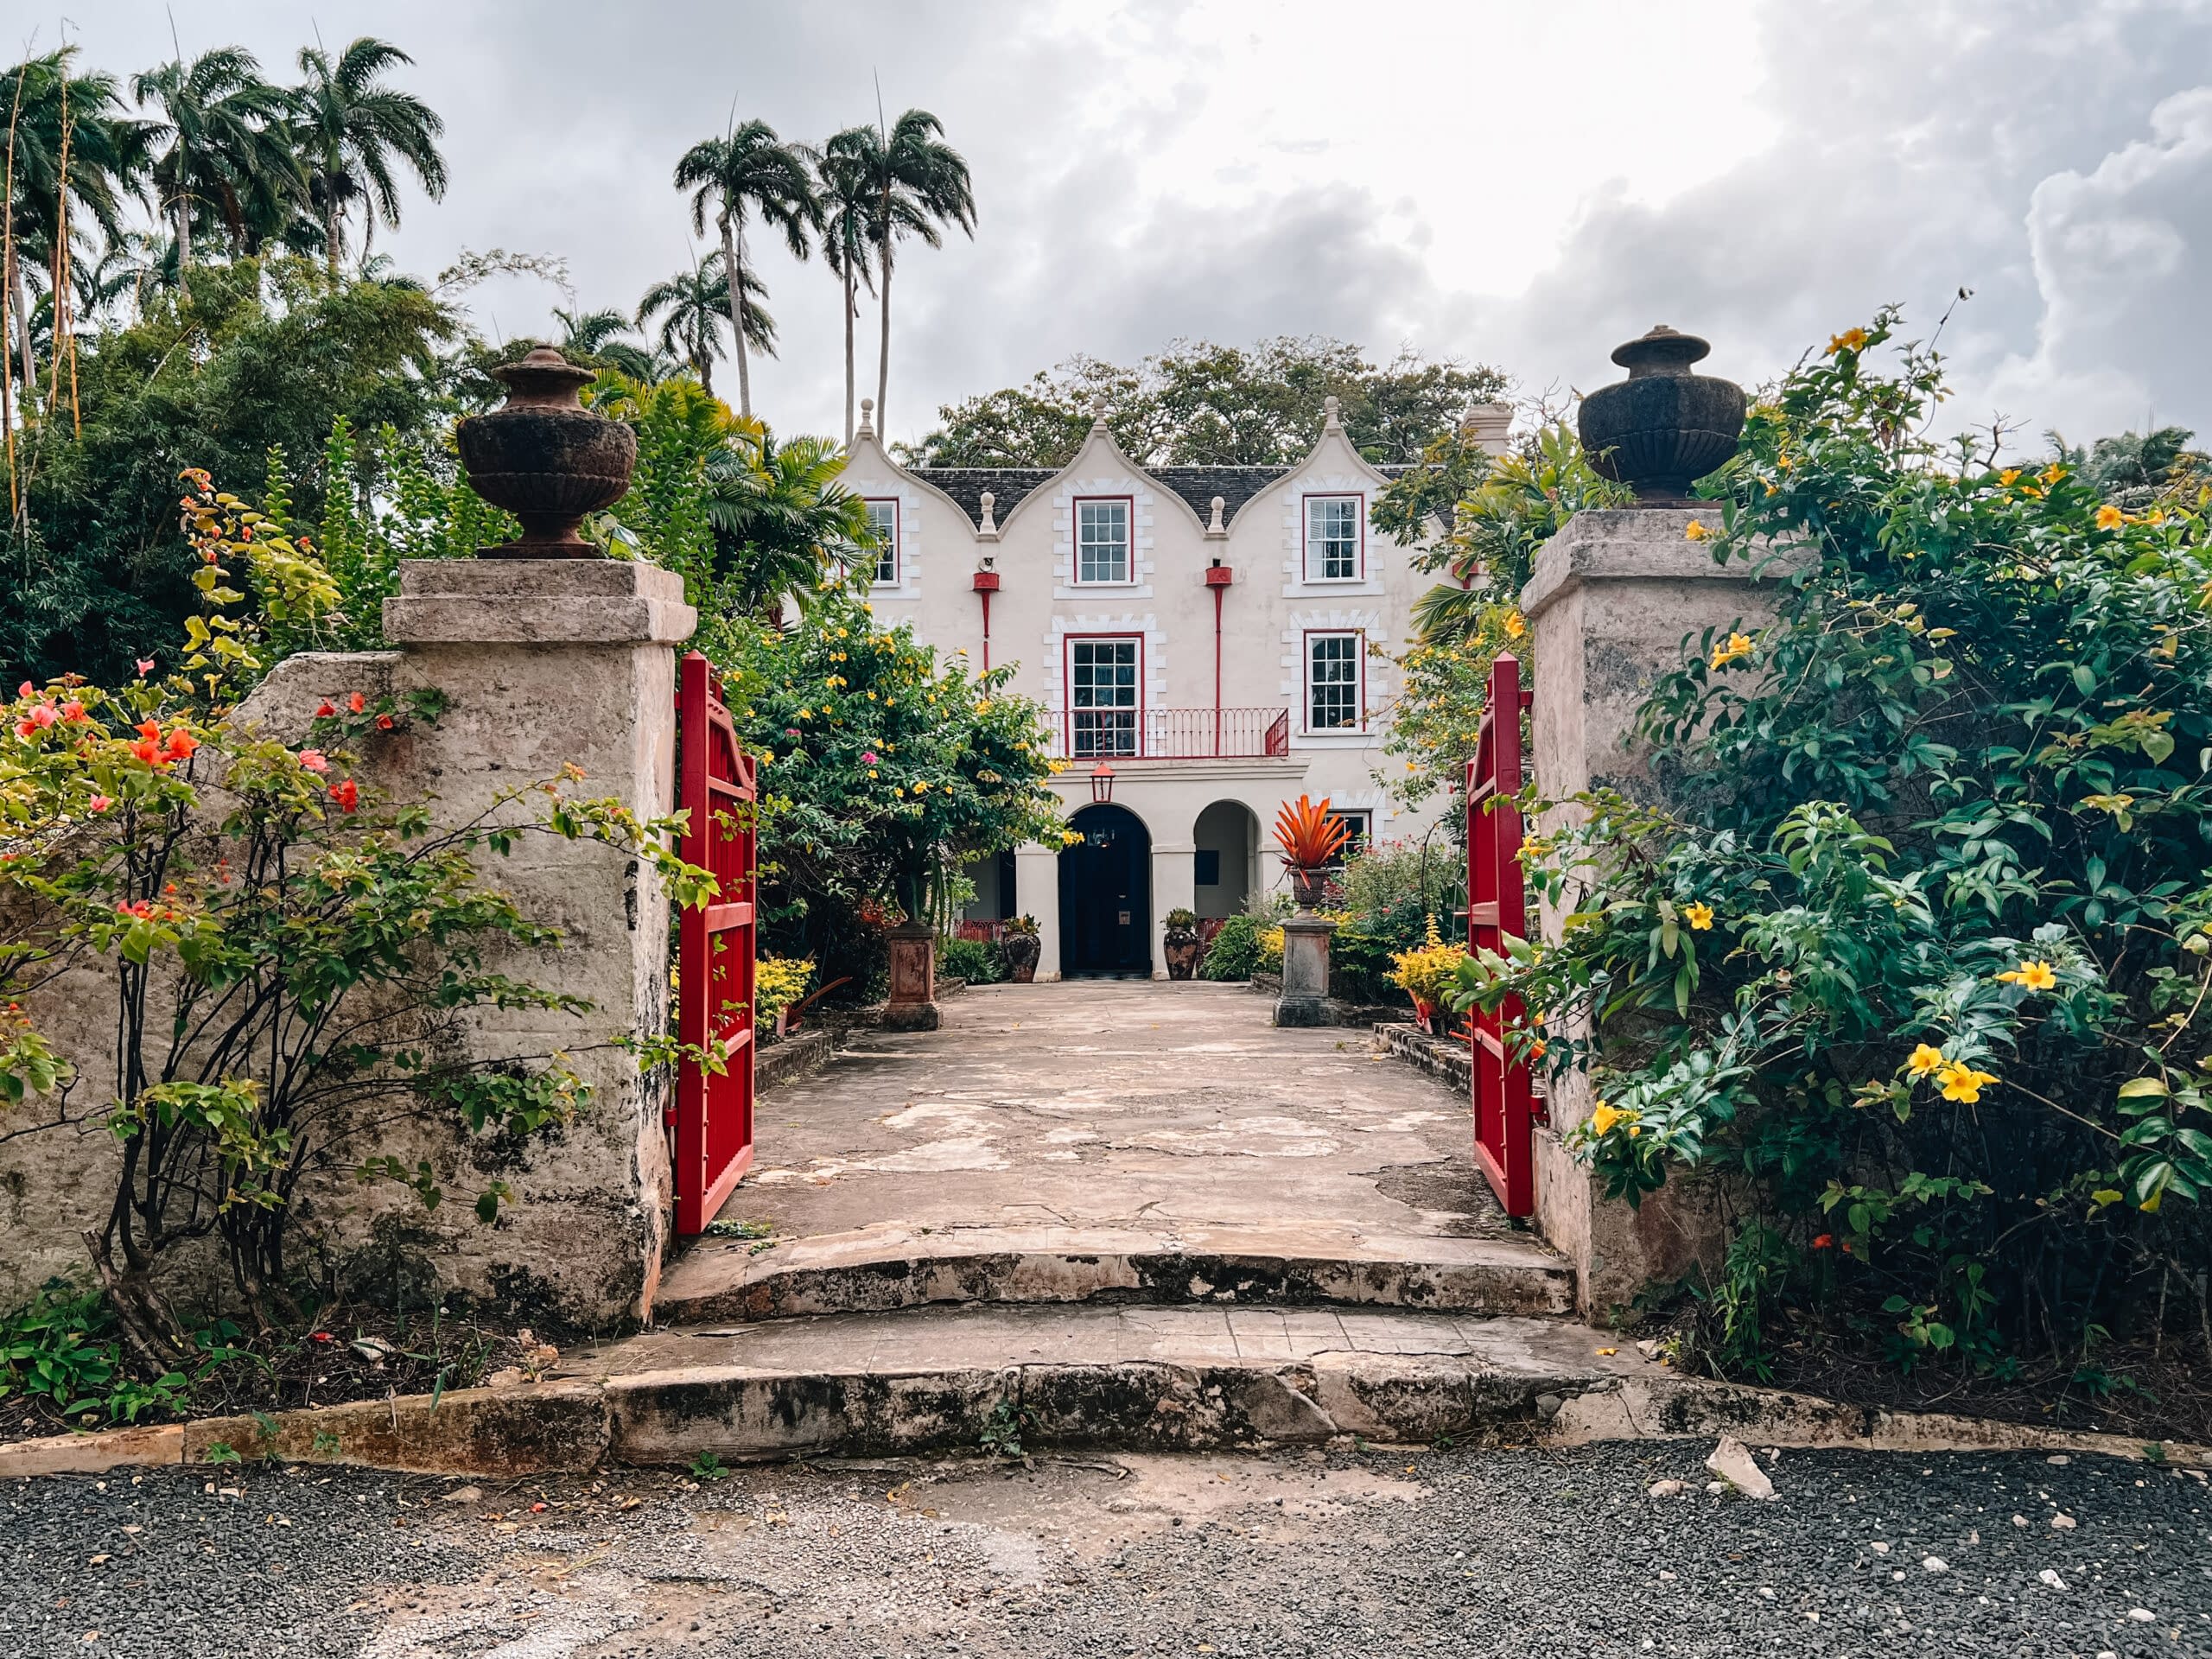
62	1348
1235	950
1922	954
975	961
281	946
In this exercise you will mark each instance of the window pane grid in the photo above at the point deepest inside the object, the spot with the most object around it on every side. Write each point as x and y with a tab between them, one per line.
1101	541
1102	697
883	520
1331	537
1332	682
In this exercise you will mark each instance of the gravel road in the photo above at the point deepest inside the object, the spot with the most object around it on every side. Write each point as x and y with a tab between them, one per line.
1516	1552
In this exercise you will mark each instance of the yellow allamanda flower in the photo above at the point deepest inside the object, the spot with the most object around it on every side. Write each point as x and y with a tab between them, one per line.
1925	1059
1961	1082
1695	532
2035	976
1851	340
1603	1119
1738	645
1700	917
1516	625
2110	518
2007	476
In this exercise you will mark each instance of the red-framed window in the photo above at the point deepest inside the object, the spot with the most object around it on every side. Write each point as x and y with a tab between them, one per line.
1105	701
1336	680
1358	824
1105	539
1336	538
883	520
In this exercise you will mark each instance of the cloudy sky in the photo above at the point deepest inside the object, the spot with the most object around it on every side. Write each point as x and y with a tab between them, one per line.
1501	183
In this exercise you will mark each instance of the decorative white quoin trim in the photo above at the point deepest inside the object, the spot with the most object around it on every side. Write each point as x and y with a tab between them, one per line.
1292	494
909	497
1141	502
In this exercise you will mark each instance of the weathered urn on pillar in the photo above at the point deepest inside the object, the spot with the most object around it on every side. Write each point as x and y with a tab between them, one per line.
546	458
1662	427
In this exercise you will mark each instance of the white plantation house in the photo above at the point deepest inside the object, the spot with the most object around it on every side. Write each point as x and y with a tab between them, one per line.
1200	636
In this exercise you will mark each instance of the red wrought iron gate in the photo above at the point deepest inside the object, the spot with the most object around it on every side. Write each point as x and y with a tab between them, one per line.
1504	1109
713	1113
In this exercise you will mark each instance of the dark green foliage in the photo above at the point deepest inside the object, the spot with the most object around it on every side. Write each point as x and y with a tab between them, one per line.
1201	405
262	356
1235	950
975	961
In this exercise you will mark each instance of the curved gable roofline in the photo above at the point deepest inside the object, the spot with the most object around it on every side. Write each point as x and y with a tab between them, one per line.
865	443
1332	435
1098	442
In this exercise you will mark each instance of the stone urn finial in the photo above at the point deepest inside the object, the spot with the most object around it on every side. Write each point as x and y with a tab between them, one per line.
546	458
1662	427
868	418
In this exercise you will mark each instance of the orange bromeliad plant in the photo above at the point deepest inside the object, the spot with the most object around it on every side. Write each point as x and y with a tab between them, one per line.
1309	836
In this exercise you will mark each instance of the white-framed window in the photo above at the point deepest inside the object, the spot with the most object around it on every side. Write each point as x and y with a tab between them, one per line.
1335	670
883	521
1358	825
1102	539
1335	538
1105	701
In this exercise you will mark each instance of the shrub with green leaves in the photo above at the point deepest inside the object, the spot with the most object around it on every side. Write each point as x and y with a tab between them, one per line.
975	961
289	959
1923	951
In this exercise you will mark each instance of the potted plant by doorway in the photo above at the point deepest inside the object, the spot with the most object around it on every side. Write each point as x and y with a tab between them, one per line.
1182	944
1020	947
1310	840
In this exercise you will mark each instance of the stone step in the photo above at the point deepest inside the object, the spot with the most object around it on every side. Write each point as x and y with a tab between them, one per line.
1132	1377
877	1269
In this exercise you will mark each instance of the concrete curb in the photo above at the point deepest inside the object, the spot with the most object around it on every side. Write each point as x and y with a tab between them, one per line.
740	1414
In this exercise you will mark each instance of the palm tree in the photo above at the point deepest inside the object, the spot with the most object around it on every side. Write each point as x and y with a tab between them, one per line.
350	128
595	337
750	169
918	184
221	139
60	123
848	232
694	307
783	526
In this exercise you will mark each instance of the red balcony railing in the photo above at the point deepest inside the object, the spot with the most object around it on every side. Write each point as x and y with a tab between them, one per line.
1173	734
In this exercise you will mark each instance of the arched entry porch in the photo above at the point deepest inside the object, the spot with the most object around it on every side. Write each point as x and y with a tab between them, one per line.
1106	894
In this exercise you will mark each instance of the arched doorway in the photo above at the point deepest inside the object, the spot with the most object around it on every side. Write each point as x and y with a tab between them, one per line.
1106	894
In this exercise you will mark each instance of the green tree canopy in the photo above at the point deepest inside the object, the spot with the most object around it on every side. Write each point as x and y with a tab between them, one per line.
1197	403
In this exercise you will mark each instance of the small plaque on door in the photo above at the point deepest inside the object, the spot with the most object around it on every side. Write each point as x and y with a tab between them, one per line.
1125	918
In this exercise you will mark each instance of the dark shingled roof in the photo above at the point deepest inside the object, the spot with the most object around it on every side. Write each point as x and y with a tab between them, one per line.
966	485
1197	484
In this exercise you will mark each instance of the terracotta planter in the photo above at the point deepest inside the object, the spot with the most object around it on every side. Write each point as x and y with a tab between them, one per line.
1182	951
1022	951
1425	1015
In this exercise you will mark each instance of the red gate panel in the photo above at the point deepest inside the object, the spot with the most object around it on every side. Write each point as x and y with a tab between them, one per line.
1505	1110
713	1113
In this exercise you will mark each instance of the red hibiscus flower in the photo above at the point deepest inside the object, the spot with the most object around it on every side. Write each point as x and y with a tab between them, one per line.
347	794
357	702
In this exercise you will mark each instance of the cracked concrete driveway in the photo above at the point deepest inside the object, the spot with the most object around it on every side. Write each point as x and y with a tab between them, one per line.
1118	1104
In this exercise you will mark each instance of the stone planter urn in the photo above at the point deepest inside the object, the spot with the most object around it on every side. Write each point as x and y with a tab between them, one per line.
1308	887
546	458
1663	427
1022	951
1183	949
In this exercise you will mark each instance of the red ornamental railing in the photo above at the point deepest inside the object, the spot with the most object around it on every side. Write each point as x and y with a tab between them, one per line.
1173	734
1505	1144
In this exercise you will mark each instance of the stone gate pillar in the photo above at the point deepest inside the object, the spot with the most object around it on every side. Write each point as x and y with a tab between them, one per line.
1614	596
543	662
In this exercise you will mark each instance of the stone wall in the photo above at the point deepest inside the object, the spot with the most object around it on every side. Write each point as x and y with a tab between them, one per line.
543	664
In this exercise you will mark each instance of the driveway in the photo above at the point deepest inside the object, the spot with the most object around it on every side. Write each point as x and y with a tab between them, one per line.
1550	1556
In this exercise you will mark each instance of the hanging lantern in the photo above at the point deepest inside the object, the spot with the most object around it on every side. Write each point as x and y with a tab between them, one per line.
1102	783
